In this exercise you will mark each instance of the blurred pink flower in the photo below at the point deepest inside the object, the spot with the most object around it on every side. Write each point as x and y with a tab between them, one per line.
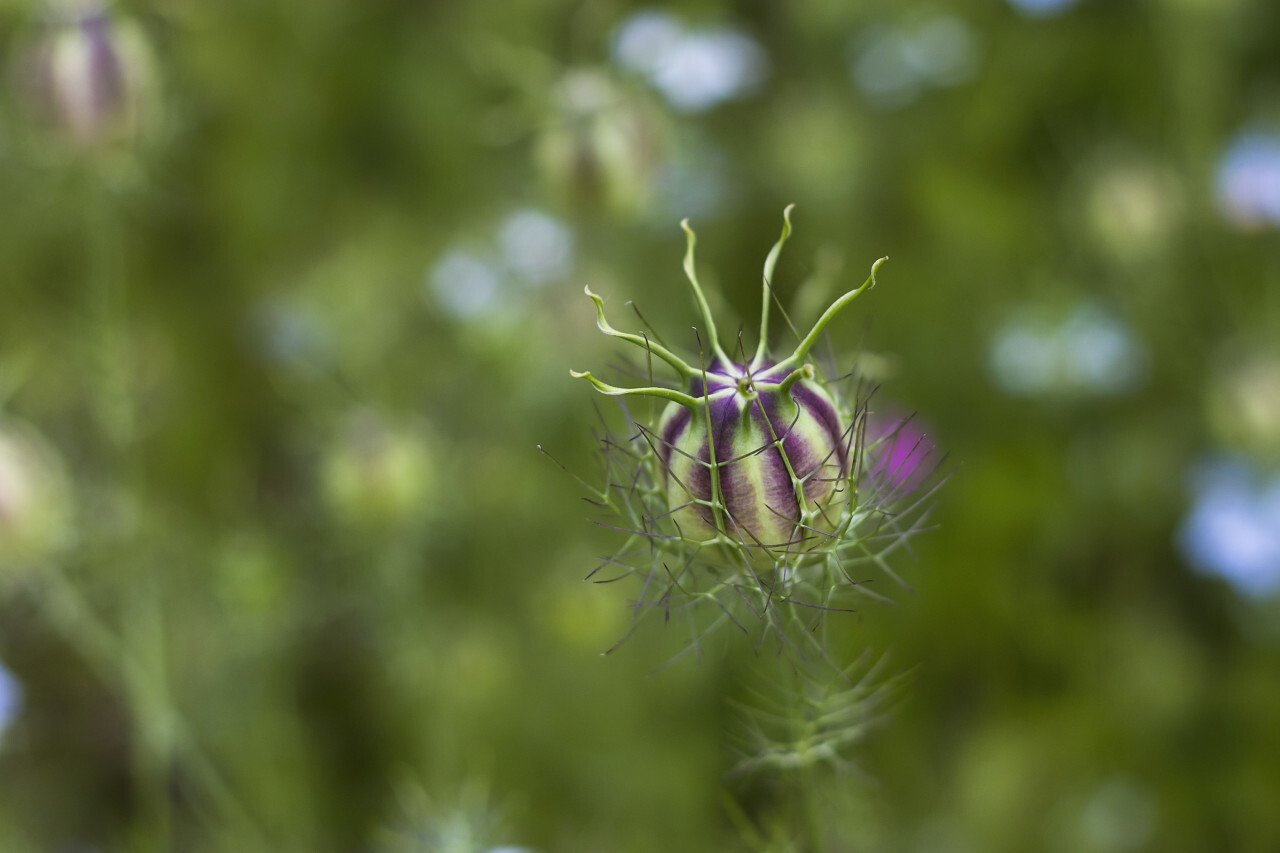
902	454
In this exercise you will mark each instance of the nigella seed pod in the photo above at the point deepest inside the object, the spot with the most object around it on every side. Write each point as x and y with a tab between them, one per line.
761	495
781	455
755	455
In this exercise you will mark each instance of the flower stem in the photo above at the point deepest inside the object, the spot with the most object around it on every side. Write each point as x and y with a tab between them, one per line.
815	839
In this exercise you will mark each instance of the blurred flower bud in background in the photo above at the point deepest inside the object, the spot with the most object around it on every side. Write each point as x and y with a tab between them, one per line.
1244	404
603	145
1132	206
89	74
376	473
34	498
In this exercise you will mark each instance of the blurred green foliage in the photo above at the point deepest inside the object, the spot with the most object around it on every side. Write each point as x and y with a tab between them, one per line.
285	313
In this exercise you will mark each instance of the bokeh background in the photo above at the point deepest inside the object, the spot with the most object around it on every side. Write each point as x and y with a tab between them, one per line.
289	292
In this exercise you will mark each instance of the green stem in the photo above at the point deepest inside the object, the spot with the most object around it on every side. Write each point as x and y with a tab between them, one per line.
815	838
108	333
135	664
142	679
117	666
146	683
804	788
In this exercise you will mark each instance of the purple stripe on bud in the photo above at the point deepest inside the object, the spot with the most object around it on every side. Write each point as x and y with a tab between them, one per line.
672	426
825	411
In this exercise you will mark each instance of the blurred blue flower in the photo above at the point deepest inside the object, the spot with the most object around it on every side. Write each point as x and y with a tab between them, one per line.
694	70
1248	185
1100	353
287	333
708	68
695	184
894	65
645	39
1090	350
536	246
532	248
1023	359
10	698
1233	528
465	285
1121	815
1041	8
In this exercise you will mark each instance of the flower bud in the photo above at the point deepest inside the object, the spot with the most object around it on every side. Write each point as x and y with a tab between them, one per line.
781	455
92	75
1244	404
602	146
762	497
378	473
753	455
34	498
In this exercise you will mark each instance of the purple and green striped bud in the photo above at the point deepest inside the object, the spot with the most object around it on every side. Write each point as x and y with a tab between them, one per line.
753	453
781	452
92	74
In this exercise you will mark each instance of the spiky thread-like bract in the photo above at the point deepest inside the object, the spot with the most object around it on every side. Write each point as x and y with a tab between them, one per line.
752	498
